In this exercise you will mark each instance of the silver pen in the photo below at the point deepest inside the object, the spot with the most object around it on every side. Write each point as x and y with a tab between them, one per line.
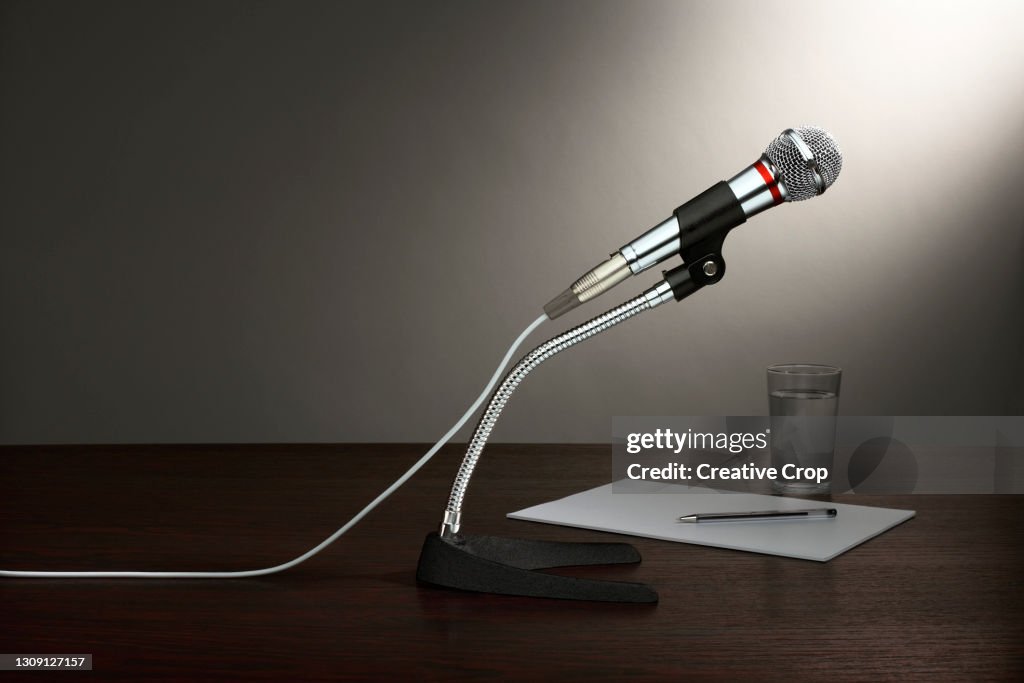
816	513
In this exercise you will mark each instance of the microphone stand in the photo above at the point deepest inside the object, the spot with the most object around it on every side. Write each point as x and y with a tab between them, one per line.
491	564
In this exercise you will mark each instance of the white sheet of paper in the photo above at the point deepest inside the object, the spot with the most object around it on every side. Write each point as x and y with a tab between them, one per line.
655	514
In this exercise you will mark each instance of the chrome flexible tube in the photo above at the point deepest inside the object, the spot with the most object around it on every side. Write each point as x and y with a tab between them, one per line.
453	513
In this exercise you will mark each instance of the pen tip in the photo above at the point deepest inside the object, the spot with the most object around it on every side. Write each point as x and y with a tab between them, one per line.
688	518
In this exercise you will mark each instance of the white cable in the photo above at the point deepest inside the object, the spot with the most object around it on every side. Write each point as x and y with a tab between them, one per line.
330	539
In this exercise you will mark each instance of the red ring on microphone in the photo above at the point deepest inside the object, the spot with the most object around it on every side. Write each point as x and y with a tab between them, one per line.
773	186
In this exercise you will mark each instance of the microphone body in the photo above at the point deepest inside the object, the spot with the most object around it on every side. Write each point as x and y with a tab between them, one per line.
723	206
717	210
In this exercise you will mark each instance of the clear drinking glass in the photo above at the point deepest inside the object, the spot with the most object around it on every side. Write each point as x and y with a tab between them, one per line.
803	400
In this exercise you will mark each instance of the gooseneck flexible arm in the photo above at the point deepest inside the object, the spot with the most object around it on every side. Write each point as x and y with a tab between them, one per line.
702	265
508	566
608	319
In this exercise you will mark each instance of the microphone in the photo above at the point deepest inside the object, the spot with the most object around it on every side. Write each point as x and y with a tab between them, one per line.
799	164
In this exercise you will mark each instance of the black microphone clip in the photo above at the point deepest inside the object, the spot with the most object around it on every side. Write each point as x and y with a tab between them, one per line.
704	223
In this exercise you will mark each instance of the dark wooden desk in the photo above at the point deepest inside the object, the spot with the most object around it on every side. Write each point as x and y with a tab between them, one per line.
940	597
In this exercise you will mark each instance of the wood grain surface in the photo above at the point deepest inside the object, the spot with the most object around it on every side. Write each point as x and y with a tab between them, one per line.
938	598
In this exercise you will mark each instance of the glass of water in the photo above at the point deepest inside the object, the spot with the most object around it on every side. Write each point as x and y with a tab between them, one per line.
803	399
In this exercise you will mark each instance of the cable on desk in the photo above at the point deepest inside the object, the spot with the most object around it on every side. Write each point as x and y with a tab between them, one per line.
330	539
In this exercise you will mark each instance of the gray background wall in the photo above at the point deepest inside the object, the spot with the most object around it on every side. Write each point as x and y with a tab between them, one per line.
296	221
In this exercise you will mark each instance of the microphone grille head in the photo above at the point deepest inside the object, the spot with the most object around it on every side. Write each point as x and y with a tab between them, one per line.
808	160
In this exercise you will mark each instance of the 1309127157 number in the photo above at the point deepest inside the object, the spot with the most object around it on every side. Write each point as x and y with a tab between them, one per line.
50	661
14	662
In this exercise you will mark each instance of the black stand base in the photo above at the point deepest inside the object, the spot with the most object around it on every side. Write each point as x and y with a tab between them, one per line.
490	564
